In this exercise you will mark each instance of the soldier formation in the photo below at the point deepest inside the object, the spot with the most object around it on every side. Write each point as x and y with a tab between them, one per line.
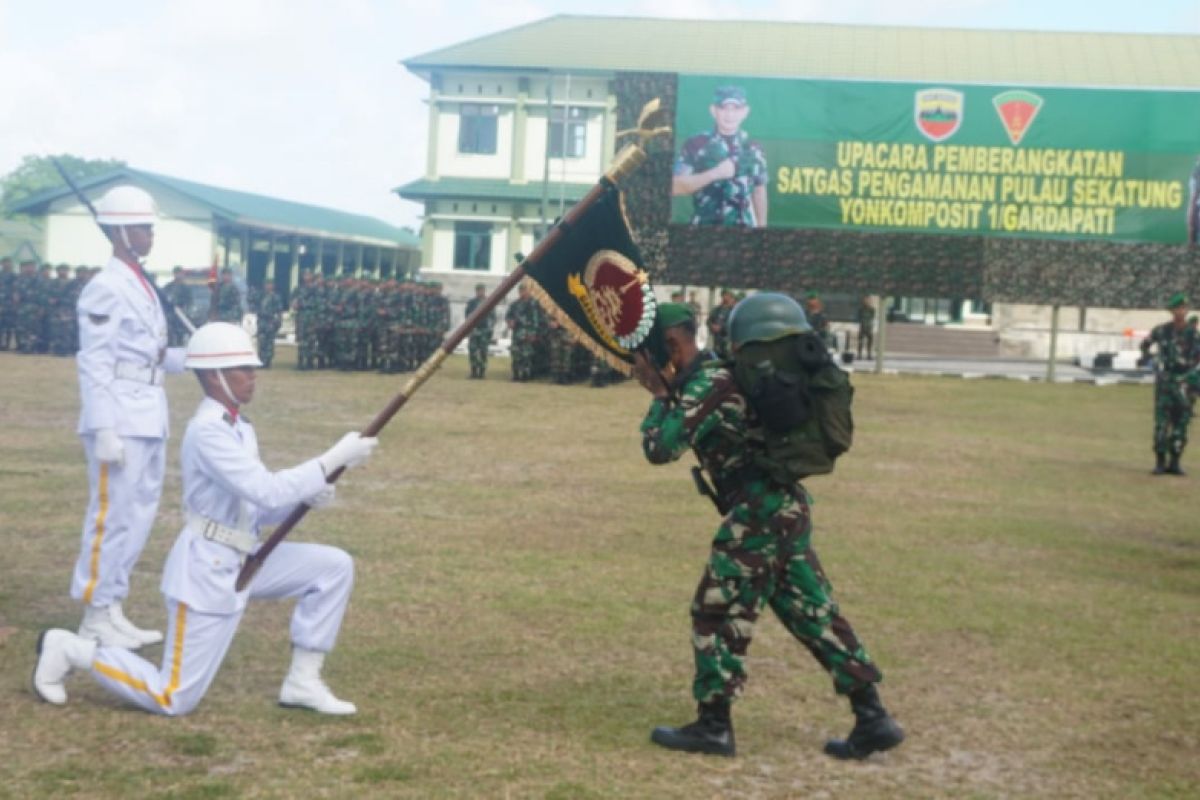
37	309
351	323
543	347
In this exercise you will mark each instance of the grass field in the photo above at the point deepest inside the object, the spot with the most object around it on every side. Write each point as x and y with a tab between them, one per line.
520	621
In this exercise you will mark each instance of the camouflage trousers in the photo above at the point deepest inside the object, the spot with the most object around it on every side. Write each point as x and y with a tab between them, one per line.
345	344
522	358
63	335
477	351
307	344
6	328
1173	411
28	330
266	345
762	556
561	350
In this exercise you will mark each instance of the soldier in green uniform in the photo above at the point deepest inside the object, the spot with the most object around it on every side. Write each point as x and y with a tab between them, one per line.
26	300
1176	382
270	318
45	292
522	320
304	305
7	307
229	299
866	327
82	276
178	295
561	348
762	552
723	169
718	324
344	315
60	311
481	334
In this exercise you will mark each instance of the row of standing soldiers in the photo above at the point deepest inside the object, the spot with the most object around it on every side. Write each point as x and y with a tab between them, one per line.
37	308
542	346
356	324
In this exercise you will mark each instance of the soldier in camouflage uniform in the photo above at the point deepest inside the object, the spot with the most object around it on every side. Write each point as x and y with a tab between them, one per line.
815	309
270	318
45	293
718	325
723	170
522	319
761	555
1176	382
481	334
343	310
304	304
7	307
178	295
27	300
60	311
866	327
229	299
561	349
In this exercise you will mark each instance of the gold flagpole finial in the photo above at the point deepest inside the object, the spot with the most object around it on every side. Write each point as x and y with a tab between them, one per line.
634	153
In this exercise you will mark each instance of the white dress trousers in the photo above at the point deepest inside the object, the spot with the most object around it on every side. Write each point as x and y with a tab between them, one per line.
224	481
122	356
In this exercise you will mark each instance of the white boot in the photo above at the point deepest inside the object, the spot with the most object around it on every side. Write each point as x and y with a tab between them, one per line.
121	623
59	652
303	687
98	625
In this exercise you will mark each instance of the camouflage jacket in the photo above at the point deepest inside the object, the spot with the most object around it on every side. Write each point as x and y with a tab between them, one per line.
1178	349
711	418
229	304
526	318
486	325
270	310
723	202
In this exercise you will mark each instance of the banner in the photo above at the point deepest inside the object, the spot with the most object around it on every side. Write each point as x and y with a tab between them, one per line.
1096	164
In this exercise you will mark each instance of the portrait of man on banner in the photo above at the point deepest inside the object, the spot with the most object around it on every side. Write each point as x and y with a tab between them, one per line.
723	169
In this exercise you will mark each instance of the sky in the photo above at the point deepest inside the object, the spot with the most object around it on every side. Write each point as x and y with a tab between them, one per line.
307	100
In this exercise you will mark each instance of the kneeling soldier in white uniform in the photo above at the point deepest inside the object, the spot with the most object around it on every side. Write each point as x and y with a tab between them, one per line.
228	494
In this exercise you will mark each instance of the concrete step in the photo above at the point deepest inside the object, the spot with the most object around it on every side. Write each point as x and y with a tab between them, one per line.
933	340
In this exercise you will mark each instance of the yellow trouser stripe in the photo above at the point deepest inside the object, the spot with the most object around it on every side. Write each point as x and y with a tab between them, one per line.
98	536
163	699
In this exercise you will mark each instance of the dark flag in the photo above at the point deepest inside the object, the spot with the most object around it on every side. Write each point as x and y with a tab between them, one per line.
592	282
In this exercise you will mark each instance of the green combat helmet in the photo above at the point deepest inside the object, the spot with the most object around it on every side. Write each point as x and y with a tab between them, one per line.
765	317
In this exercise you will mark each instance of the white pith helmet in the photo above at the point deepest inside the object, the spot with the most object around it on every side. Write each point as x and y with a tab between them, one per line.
126	205
218	345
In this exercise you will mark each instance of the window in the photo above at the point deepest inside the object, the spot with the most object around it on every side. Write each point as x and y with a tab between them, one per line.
472	245
477	128
568	132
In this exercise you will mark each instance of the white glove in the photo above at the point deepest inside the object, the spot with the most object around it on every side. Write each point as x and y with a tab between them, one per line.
109	447
322	498
350	451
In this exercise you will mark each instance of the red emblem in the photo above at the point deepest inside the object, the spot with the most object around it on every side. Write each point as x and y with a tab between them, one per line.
1017	108
616	298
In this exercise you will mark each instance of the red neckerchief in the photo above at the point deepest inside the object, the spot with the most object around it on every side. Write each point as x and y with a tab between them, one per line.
141	276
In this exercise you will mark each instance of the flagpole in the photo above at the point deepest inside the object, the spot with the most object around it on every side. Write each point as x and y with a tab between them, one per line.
626	161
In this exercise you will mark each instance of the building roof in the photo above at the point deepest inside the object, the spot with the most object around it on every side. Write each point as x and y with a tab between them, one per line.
245	208
489	189
574	43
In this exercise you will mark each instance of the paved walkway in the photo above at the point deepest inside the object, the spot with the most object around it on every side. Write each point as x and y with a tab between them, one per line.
1012	369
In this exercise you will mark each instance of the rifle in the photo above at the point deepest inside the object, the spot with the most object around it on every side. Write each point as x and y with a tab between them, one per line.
162	298
626	161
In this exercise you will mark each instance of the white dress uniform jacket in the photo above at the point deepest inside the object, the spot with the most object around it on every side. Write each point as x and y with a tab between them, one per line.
225	481
122	328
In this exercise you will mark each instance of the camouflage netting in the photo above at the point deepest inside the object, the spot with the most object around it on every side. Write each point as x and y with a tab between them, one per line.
1043	271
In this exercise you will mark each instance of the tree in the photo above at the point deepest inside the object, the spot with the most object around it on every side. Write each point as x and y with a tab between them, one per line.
36	173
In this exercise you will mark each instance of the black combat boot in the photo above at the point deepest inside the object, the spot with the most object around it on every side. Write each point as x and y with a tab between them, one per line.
1160	464
712	732
874	731
1173	468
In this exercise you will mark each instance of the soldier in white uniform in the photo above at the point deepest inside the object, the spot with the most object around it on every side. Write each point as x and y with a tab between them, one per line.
123	355
228	494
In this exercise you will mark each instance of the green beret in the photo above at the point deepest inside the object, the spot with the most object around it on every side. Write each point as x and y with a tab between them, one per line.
812	294
672	314
1178	299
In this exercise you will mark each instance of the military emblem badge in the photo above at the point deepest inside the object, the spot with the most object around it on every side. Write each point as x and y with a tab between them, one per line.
938	113
1017	108
616	298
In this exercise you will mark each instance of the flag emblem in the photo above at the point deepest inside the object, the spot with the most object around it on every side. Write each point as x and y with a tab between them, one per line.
1017	108
938	113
